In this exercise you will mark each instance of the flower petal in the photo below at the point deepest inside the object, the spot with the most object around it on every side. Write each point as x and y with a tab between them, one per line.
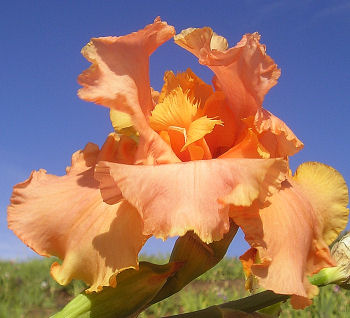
176	109
190	83
119	79
177	112
327	191
289	233
223	136
122	123
66	217
245	73
275	135
199	128
175	198
119	75
248	146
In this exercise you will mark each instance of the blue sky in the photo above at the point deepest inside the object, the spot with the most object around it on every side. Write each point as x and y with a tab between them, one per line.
43	122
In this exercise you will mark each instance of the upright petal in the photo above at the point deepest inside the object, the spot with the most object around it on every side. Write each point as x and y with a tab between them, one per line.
119	79
222	137
245	72
275	135
175	198
66	217
119	75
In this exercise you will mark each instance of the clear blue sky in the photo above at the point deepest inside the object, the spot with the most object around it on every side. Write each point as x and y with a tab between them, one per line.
43	122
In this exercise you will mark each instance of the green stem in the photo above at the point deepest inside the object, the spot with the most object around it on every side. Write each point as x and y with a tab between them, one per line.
248	304
264	299
331	275
77	307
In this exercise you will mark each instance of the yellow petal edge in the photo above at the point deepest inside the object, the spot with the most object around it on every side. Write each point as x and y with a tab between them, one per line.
329	195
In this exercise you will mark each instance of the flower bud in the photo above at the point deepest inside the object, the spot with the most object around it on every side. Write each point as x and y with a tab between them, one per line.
341	254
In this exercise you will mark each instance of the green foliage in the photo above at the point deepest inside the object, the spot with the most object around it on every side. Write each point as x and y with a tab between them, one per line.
332	302
27	290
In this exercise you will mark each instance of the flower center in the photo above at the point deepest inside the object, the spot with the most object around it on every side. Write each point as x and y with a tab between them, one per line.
180	122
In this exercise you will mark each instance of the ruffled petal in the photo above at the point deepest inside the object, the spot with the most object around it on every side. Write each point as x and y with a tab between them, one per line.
284	234
119	78
275	135
116	149
173	199
119	75
66	217
245	73
293	231
326	189
248	146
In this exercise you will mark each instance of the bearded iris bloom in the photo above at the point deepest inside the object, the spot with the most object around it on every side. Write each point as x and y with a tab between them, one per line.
188	158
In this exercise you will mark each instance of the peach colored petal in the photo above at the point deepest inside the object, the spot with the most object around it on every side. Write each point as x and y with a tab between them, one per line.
119	79
175	198
197	150
116	149
248	146
245	73
223	136
119	75
287	234
275	135
66	217
177	140
152	149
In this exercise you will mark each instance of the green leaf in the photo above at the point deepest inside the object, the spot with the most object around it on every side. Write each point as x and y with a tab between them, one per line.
243	306
197	256
135	289
138	289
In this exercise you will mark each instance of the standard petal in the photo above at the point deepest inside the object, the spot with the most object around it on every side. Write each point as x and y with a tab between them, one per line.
275	135
119	75
119	79
245	73
175	198
248	146
287	233
66	217
223	136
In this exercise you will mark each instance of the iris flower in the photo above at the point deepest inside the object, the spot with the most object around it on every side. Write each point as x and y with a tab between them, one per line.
189	157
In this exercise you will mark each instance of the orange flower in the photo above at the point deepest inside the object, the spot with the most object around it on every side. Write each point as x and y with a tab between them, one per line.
66	217
172	128
290	232
187	158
